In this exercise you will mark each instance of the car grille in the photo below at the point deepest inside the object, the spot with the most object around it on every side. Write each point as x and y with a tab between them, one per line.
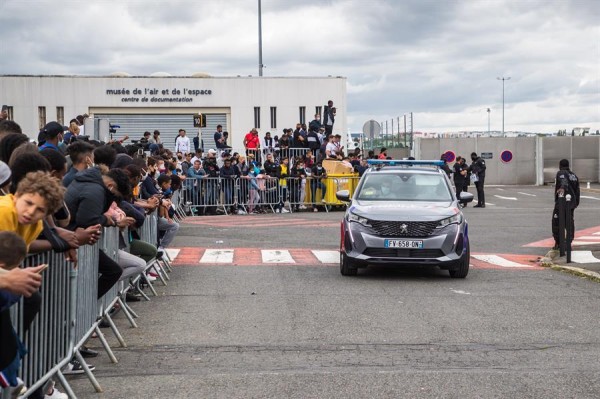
403	253
395	229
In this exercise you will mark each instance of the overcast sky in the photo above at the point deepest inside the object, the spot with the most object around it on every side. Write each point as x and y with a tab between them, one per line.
438	59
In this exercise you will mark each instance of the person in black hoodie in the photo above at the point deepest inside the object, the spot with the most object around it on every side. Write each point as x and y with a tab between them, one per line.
460	176
88	198
477	168
229	174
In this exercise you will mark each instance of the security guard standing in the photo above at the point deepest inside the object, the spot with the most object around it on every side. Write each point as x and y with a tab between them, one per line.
477	170
460	176
566	182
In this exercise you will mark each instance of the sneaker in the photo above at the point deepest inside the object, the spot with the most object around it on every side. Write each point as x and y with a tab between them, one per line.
241	212
74	367
152	274
87	352
302	207
315	210
53	393
283	210
150	278
16	391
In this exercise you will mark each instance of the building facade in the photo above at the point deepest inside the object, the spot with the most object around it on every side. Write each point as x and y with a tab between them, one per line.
169	103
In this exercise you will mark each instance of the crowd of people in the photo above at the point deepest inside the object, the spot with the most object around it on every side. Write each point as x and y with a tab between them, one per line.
57	195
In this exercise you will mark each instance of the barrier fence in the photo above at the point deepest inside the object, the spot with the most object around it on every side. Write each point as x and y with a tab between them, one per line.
263	192
70	310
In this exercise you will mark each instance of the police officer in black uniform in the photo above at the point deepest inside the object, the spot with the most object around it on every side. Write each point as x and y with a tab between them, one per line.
460	175
477	168
566	182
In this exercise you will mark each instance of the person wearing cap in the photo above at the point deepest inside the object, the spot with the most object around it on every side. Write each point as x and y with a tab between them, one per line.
53	133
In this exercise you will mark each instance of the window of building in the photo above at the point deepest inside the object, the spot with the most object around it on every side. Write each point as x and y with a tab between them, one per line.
41	117
273	117
60	115
302	114
318	111
10	113
257	117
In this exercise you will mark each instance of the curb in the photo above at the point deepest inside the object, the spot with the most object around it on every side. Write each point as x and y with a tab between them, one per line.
548	261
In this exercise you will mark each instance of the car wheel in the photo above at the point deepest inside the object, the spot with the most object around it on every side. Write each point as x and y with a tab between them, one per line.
347	267
463	268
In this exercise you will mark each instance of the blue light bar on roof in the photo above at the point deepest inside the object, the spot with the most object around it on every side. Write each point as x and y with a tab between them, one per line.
381	162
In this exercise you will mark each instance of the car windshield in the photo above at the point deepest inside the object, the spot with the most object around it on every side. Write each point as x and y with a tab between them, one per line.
404	187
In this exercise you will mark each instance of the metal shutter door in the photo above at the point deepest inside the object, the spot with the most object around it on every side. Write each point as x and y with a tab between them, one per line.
134	125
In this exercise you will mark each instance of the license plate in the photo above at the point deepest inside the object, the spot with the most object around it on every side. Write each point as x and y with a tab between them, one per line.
413	244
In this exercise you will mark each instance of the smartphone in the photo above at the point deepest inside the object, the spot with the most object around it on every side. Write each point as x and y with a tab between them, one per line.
43	268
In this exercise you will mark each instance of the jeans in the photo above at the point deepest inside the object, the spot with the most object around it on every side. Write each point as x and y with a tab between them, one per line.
170	230
314	184
109	271
131	265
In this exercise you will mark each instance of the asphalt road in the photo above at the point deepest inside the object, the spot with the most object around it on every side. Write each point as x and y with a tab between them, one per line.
304	331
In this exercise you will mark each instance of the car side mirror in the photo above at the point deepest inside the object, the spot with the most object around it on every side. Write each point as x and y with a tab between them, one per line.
465	197
343	195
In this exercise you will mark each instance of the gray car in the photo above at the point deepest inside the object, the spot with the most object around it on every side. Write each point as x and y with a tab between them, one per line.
404	213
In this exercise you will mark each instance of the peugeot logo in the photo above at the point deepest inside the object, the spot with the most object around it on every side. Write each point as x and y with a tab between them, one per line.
403	229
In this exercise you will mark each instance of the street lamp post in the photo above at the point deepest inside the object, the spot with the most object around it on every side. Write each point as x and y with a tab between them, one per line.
260	60
503	79
488	111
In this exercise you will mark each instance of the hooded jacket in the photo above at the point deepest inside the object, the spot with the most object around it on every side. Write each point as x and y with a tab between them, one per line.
88	199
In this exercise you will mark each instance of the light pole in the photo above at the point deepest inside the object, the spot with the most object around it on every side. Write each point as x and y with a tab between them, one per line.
503	79
260	61
488	111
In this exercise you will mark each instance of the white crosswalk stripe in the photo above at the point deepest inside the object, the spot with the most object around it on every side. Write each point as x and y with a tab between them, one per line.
498	261
327	256
276	256
217	256
583	257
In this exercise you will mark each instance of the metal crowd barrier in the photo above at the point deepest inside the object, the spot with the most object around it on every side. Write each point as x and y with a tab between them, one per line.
49	339
70	311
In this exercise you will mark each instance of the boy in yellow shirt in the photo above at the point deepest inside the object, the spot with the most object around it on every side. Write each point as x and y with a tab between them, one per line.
38	195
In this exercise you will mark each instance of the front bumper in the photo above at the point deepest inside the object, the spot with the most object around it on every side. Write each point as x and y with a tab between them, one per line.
445	249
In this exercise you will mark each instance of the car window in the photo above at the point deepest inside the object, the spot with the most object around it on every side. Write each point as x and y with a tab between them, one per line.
404	187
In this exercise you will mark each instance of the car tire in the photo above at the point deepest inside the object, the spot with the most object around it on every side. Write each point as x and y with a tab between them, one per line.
463	268
347	267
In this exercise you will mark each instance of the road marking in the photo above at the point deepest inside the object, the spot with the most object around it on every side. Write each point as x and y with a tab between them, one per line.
583	257
217	256
587	238
276	256
594	198
327	256
460	292
506	198
498	261
172	252
530	195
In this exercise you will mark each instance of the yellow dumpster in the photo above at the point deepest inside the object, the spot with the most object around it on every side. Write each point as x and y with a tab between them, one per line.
337	182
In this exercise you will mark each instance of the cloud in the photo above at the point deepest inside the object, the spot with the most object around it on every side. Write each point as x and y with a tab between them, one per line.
438	59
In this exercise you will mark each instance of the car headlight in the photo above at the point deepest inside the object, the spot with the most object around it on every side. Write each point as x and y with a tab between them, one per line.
359	219
455	219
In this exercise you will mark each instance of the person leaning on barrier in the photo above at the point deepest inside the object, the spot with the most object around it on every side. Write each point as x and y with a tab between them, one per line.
297	176
89	198
229	175
14	283
566	182
317	174
166	224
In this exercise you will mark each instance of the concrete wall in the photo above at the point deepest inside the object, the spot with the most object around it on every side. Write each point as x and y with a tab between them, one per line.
237	95
535	159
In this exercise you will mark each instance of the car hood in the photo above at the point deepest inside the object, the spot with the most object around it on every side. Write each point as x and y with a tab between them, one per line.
404	210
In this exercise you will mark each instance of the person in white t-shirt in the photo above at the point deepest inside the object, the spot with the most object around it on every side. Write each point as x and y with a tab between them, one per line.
182	144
